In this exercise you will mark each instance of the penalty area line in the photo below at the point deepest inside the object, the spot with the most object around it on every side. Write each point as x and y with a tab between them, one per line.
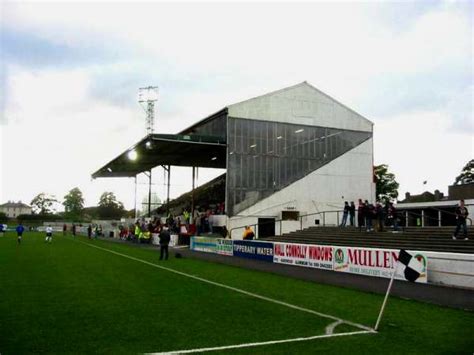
235	289
263	343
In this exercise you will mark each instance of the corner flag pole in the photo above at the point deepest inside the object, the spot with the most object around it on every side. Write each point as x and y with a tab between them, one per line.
386	298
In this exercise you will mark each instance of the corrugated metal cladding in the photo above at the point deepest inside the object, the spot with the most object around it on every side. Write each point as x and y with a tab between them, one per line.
264	156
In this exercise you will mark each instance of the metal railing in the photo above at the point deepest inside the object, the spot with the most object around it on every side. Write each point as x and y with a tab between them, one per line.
450	213
324	214
422	216
280	221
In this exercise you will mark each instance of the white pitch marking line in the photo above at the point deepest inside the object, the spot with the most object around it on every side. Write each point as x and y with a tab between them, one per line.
289	305
330	328
272	342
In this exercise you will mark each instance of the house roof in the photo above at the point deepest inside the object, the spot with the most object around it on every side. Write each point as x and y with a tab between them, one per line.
11	204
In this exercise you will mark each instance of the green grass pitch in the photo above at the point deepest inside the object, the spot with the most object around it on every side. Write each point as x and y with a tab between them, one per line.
68	297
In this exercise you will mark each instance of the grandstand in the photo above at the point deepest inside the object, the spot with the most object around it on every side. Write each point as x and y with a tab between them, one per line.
291	159
292	150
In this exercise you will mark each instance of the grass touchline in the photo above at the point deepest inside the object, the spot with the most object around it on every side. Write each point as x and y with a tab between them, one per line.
357	325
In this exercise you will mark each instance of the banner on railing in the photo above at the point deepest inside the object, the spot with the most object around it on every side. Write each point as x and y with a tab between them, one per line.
253	250
315	256
374	262
225	247
362	261
205	244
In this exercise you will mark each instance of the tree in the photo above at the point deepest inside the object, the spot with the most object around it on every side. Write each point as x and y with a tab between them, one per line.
43	203
467	174
386	187
3	217
130	213
109	207
73	203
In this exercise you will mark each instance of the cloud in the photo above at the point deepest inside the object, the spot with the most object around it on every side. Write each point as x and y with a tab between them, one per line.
34	51
70	74
61	135
420	146
460	107
39	96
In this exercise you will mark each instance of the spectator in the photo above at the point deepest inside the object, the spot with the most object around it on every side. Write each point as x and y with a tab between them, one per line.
64	229
379	212
248	233
170	220
205	223
73	230
183	230
369	215
89	231
198	222
210	221
225	233
157	227
177	225
360	215
164	242
122	233
352	212
345	213
392	216
131	232
461	216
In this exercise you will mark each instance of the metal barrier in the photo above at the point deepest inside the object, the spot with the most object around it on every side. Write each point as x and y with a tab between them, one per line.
324	214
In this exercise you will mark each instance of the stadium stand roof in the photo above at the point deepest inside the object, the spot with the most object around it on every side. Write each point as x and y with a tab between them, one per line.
167	149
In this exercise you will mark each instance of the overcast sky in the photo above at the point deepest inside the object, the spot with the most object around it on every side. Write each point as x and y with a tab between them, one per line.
70	73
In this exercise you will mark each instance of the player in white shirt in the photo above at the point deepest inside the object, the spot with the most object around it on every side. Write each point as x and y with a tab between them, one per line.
49	234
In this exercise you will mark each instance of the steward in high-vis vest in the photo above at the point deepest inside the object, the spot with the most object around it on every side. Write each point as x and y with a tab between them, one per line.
186	216
137	232
248	233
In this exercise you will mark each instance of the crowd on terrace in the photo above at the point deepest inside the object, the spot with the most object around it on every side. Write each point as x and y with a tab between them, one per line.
141	231
369	216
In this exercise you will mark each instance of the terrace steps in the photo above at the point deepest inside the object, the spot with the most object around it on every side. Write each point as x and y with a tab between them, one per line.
437	239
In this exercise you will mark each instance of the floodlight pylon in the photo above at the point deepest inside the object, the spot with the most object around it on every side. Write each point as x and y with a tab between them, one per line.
147	96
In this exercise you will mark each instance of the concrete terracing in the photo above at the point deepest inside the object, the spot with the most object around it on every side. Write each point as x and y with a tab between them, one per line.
437	239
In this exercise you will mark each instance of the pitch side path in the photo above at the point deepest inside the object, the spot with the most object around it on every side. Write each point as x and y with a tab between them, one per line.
80	297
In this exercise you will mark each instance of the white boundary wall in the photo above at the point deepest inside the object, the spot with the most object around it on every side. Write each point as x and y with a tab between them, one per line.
451	269
446	269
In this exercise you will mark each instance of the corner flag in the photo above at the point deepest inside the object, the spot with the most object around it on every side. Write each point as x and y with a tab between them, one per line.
410	266
407	265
